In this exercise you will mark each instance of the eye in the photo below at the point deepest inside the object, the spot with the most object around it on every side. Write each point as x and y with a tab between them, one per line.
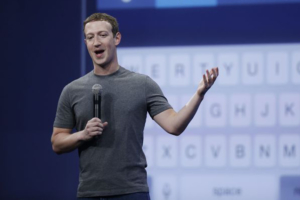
103	34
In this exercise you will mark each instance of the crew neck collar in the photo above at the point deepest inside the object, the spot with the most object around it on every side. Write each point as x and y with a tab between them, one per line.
108	75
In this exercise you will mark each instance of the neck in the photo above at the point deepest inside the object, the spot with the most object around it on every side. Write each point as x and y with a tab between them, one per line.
105	70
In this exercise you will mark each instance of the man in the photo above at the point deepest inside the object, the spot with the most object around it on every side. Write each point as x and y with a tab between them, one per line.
112	163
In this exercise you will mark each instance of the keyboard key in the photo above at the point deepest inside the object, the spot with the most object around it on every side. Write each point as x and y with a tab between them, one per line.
290	187
179	71
215	110
165	187
190	151
156	68
252	68
265	110
240	110
228	187
289	109
239	150
201	63
215	151
166	151
229	69
289	150
265	150
296	67
277	68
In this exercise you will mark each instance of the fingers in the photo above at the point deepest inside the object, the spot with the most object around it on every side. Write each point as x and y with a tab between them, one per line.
95	119
94	127
205	81
105	124
97	122
92	131
208	79
214	73
208	75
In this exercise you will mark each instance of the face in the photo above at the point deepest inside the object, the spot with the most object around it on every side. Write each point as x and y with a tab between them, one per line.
101	43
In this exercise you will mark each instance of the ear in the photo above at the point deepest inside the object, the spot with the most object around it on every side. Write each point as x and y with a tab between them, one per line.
85	41
117	38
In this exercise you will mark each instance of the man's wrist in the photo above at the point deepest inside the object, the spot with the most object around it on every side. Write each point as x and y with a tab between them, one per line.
80	136
201	94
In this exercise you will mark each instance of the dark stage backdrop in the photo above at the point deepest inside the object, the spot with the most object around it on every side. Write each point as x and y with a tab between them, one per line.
40	54
42	51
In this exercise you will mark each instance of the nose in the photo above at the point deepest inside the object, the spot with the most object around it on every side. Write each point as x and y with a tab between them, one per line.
97	41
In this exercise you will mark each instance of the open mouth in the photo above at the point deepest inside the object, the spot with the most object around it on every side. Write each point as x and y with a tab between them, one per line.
99	53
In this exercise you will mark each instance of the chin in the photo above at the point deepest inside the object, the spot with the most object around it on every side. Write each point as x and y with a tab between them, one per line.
100	64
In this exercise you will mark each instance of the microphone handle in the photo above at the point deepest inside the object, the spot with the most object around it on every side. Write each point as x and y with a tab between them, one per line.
97	106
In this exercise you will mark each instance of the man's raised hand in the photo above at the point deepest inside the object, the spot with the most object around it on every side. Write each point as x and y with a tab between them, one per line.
207	81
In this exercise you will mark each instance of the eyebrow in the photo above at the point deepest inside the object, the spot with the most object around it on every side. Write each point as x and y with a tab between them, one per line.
96	33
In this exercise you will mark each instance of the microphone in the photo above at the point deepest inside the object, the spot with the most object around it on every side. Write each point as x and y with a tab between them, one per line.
97	90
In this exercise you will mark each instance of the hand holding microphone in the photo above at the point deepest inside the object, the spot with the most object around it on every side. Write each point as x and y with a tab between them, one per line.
95	127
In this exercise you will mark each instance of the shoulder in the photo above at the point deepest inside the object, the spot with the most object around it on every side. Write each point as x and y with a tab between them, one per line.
126	72
142	79
133	76
78	83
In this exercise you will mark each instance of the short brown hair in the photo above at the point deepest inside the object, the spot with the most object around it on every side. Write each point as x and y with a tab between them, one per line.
103	17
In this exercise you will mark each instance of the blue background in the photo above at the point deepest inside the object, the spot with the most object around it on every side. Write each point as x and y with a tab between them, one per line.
40	54
134	4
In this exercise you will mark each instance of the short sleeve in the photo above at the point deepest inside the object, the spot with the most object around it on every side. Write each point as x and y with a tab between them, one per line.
156	101
64	115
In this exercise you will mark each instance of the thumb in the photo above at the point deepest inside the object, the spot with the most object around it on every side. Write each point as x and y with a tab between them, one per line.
105	124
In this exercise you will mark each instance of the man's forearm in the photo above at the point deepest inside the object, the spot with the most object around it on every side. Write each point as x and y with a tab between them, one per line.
66	142
63	141
182	118
176	122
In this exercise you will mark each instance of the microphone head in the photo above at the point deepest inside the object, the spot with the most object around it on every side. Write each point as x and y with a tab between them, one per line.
97	89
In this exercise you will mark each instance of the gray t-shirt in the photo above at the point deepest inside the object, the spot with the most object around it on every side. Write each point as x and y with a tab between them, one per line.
113	163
